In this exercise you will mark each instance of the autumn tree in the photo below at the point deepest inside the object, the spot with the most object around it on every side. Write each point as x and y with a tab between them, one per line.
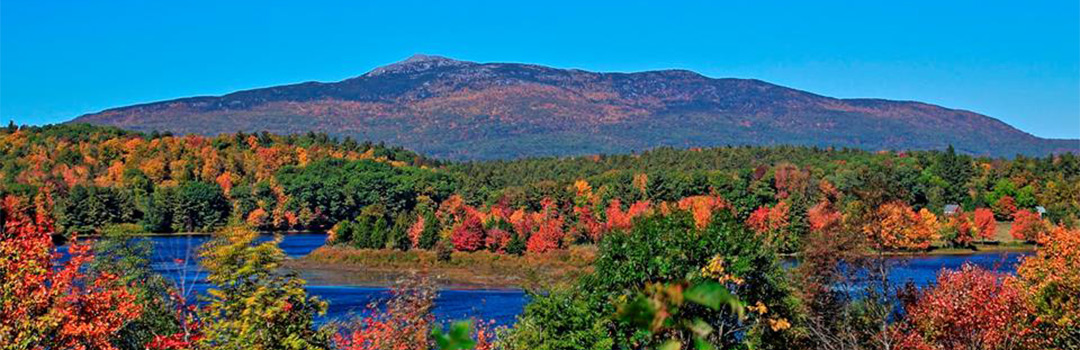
897	227
1052	281
50	307
773	224
1005	207
970	308
958	230
547	237
1027	226
402	322
985	224
703	207
252	305
165	312
468	236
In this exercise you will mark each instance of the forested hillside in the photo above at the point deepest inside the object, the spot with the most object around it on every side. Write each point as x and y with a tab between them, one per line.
95	176
461	110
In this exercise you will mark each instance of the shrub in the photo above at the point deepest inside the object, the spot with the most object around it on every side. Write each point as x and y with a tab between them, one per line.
444	251
970	308
468	236
1027	226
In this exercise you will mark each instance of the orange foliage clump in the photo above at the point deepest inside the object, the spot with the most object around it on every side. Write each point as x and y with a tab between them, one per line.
768	219
225	180
588	224
623	220
549	233
790	180
703	207
469	235
1052	278
823	216
641	182
960	224
898	227
415	230
985	224
48	307
1027	226
1005	206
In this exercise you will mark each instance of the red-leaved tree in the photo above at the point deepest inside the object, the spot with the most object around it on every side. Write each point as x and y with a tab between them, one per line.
970	308
985	224
469	235
45	307
1027	226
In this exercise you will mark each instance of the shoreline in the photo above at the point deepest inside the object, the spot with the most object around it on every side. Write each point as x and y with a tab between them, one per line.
203	234
482	270
334	265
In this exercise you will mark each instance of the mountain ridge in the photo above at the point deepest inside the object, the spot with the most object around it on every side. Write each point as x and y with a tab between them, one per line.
467	110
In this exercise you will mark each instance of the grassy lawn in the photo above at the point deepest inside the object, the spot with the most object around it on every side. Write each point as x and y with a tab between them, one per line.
1003	242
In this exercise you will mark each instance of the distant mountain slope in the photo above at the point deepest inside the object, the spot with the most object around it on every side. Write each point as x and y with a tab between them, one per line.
465	110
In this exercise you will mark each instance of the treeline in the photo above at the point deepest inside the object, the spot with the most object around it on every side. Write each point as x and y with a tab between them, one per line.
385	197
100	176
689	243
107	295
672	279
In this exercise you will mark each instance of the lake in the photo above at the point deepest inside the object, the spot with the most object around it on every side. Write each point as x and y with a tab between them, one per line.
174	256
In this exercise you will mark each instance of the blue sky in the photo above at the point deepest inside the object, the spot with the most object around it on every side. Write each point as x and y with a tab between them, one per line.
1015	61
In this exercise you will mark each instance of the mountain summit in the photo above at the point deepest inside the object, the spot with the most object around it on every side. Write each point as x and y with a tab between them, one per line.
467	110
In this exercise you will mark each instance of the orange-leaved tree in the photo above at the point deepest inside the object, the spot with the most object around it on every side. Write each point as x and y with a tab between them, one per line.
44	307
898	227
1027	226
985	224
1052	279
958	229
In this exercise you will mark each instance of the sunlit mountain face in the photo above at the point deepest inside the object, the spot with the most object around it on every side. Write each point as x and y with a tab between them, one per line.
465	110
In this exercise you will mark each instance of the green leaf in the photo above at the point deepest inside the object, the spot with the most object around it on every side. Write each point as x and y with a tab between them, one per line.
713	295
671	344
456	339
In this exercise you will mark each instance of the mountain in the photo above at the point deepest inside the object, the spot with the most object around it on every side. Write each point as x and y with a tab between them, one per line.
465	110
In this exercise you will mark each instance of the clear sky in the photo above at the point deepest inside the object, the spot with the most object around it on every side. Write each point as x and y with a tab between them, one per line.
1018	61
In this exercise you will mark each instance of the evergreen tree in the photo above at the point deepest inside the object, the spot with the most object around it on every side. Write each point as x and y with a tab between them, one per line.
399	235
430	235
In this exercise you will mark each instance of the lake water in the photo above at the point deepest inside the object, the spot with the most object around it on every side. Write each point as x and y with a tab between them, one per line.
175	257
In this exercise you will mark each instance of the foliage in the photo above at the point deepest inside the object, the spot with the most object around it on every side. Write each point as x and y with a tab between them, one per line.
87	209
561	319
957	229
969	308
1027	226
468	236
129	258
252	305
985	225
403	322
47	307
1005	207
1052	281
898	227
665	248
656	310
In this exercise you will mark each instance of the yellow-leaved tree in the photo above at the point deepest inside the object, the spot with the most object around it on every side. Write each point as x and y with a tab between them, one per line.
253	306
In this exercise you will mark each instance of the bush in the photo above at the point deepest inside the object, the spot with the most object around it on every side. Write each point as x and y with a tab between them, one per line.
665	248
444	251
